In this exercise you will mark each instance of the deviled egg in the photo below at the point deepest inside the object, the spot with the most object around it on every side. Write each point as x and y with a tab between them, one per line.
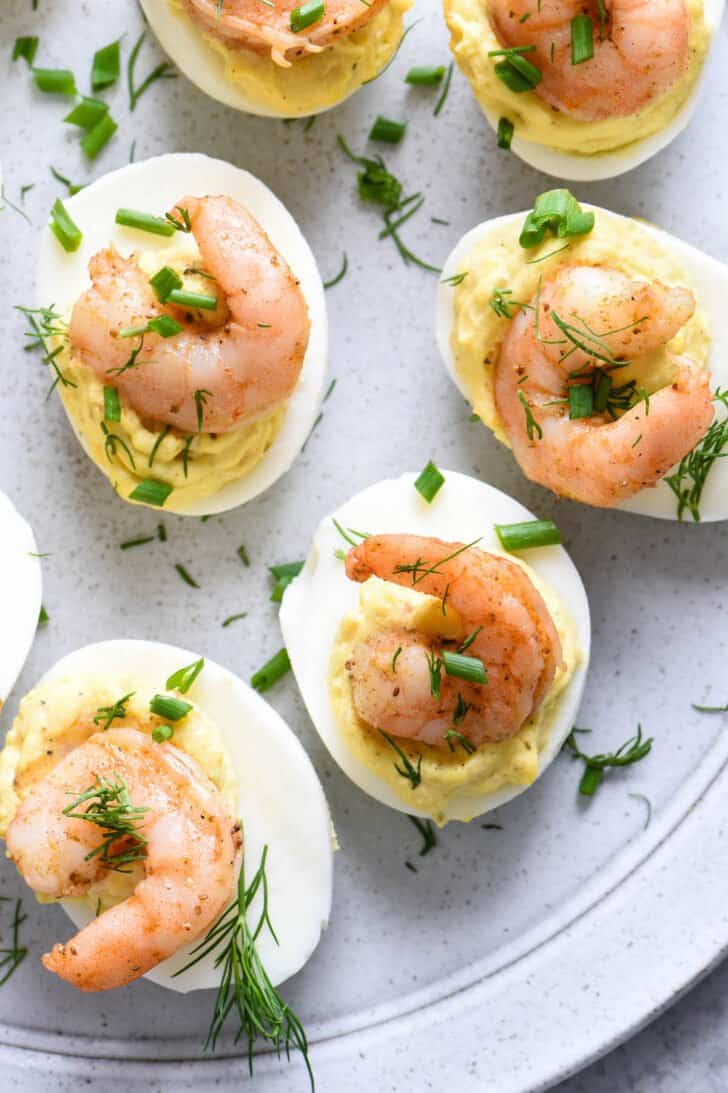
281	60
442	674
593	345
139	781
20	593
584	91
190	317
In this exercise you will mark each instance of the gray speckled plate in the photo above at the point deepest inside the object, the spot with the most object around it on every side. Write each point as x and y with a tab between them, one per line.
512	956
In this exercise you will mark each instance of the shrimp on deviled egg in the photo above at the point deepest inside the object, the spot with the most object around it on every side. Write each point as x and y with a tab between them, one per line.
188	331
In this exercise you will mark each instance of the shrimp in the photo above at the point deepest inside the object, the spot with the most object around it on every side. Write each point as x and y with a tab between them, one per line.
598	460
640	51
514	636
207	377
252	25
191	864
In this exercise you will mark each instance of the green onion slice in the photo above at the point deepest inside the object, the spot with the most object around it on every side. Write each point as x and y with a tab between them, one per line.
151	492
306	14
97	138
87	113
384	129
425	75
272	671
164	281
582	39
429	482
183	678
558	212
112	406
283	575
528	534
162	733
169	707
67	233
471	669
26	47
106	66
144	222
55	81
581	400
183	298
505	133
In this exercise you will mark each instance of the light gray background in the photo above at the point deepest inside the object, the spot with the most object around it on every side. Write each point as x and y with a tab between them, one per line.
655	588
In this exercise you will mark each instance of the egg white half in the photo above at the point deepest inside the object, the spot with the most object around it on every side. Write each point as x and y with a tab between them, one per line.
184	42
315	603
153	186
574	168
710	278
20	594
281	804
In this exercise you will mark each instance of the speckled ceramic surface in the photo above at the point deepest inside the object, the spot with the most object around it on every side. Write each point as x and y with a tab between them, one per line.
513	956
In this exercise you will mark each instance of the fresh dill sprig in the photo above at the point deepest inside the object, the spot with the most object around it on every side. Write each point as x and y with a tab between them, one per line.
45	324
688	481
163	71
421	568
434	666
426	829
407	770
632	751
109	806
710	709
130	362
245	989
109	714
453	737
13	955
533	429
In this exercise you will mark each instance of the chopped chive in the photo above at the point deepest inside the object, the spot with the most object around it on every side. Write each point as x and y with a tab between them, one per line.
582	39
165	281
384	129
505	133
425	75
43	616
55	81
306	14
429	482
271	672
87	113
26	48
151	492
455	280
112	406
515	70
144	222
602	389
234	618
142	541
164	325
105	67
67	233
283	575
340	275
162	733
183	678
97	138
192	299
463	667
445	90
527	534
169	707
243	554
581	400
711	709
185	576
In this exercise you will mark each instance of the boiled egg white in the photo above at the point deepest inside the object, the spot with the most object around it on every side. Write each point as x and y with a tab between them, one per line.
281	803
709	279
592	168
153	186
20	593
317	600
